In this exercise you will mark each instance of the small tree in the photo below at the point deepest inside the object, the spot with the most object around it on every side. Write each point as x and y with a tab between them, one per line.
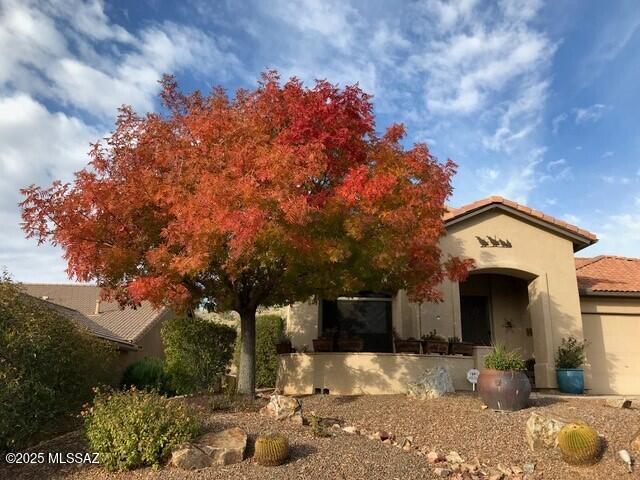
266	198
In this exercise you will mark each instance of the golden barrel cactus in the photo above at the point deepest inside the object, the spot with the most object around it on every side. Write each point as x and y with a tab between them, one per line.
579	443
271	450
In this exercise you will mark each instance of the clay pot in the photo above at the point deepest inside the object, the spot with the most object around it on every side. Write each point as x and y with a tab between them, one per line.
504	390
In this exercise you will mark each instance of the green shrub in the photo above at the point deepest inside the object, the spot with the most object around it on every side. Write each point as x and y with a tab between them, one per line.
502	359
570	353
269	331
197	353
147	374
48	366
131	429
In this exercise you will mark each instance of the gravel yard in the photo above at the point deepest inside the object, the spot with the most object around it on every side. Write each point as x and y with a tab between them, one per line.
452	423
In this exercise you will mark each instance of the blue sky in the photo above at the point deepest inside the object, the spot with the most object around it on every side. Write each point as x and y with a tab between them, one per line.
535	101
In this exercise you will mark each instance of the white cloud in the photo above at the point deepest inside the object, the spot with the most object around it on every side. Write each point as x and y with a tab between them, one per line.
54	51
557	121
65	68
607	154
36	146
592	113
572	219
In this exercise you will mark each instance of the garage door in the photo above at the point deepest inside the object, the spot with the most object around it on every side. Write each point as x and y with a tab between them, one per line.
613	351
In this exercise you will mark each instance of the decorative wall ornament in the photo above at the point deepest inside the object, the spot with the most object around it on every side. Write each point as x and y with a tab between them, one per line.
493	242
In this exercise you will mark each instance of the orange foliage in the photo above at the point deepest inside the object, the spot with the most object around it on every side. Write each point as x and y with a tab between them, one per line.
264	198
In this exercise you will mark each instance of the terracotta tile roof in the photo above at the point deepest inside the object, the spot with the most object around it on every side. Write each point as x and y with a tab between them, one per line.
453	213
607	273
79	302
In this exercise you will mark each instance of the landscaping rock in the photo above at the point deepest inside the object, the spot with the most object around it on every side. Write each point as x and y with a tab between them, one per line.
635	443
542	431
190	457
442	472
454	457
224	447
434	383
434	457
352	430
529	468
618	402
282	407
382	435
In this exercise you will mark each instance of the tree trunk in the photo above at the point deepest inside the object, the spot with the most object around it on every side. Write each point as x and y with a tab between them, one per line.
247	371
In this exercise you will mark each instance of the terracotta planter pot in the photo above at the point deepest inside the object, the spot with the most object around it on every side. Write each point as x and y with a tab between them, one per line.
350	344
323	345
500	390
407	346
461	348
435	346
284	347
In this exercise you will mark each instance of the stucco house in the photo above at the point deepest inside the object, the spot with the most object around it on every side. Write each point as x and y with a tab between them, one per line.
135	332
527	290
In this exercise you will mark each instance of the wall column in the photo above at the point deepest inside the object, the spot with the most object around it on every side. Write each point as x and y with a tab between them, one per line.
540	311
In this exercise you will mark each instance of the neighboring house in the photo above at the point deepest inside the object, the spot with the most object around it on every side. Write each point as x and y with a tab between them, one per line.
527	290
135	332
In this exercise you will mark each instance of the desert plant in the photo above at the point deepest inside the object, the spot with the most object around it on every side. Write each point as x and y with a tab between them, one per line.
502	359
271	450
433	336
147	374
318	428
454	340
579	443
197	353
570	353
133	428
48	366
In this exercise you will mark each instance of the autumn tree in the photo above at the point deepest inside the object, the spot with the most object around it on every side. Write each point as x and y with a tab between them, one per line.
267	198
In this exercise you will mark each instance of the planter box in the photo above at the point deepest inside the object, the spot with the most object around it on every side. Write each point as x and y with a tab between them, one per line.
284	347
461	348
350	344
435	346
407	346
323	345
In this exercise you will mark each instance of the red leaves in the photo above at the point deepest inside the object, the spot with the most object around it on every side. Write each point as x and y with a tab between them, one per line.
266	197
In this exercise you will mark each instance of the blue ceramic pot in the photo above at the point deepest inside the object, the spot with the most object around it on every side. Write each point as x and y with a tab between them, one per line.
570	380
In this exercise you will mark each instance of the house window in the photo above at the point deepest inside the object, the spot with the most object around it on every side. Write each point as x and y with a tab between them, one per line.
367	316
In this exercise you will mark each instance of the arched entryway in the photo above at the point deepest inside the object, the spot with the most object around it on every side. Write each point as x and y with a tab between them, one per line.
496	306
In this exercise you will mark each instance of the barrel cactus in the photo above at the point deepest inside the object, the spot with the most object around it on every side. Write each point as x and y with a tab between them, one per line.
271	449
579	443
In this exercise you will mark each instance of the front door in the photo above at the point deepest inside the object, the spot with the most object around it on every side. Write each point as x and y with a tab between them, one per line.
476	323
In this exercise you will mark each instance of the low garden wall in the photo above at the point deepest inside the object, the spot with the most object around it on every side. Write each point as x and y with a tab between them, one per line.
363	373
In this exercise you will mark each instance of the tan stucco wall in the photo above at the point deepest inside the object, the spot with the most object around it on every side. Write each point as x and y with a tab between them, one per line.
151	346
543	258
612	328
363	373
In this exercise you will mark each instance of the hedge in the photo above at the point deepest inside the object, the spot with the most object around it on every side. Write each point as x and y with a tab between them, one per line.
197	353
269	329
48	366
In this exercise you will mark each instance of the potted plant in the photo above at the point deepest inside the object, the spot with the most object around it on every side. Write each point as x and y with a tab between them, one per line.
348	342
458	347
434	343
283	345
502	384
410	345
326	342
569	361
